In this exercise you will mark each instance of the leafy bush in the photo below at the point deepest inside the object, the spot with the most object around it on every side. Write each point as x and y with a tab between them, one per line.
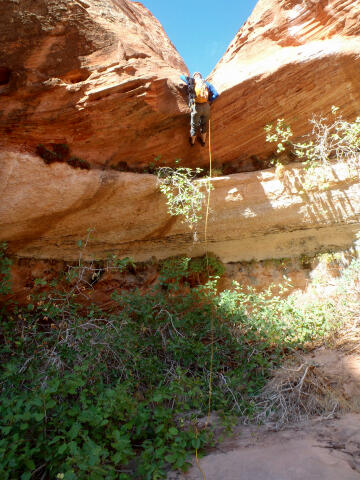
92	395
329	140
62	150
60	153
183	194
77	162
5	264
176	271
47	155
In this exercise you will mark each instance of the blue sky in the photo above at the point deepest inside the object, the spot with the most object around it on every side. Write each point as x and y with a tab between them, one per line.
201	37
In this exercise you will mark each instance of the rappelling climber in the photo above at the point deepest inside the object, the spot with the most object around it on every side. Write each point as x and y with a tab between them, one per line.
201	96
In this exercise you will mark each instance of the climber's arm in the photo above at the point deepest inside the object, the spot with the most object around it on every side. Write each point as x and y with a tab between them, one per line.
185	79
213	92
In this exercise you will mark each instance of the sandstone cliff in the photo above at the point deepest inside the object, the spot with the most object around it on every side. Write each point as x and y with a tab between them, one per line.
253	215
103	78
290	60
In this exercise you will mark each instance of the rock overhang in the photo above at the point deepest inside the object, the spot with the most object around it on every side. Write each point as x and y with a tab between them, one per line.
121	104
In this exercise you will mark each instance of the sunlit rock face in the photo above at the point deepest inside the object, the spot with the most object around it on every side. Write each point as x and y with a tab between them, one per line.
290	60
254	215
100	76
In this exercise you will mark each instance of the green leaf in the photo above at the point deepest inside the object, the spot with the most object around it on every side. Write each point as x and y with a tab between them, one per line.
196	443
171	457
56	439
38	416
62	449
74	430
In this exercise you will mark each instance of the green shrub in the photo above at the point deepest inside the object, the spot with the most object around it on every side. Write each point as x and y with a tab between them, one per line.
77	162
330	140
47	155
184	196
60	153
5	264
92	395
192	271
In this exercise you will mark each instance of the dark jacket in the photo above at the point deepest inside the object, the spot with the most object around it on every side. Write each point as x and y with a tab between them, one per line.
213	94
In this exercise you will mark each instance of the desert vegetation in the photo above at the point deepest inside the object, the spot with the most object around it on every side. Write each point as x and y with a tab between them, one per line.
87	393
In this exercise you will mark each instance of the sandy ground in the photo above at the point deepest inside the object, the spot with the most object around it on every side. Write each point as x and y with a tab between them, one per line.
322	448
316	450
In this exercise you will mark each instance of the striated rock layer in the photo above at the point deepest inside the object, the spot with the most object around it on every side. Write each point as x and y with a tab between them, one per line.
290	60
253	215
100	76
103	78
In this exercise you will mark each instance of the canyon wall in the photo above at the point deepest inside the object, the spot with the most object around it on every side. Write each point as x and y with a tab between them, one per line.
253	215
290	60
99	76
103	78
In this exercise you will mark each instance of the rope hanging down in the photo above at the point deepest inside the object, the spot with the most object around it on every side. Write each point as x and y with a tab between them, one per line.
207	266
211	316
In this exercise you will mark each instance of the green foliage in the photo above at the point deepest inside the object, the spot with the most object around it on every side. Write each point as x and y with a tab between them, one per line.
329	140
62	150
47	155
120	264
5	264
178	271
60	153
183	194
87	394
154	165
283	319
77	162
279	134
209	263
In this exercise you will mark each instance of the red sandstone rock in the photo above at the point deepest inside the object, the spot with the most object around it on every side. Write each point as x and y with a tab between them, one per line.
102	77
290	60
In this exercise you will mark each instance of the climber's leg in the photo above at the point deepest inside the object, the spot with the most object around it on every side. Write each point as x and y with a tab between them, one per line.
194	124
204	121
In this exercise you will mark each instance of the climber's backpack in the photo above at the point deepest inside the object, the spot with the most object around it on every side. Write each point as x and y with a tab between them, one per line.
201	92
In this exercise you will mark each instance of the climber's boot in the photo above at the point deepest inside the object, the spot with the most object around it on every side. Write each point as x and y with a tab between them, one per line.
202	139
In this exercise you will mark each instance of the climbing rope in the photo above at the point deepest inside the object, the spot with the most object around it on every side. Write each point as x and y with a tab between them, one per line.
207	266
211	316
